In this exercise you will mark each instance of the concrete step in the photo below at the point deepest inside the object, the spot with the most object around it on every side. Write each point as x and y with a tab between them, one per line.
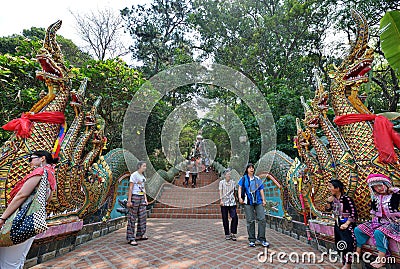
202	202
190	216
182	192
161	205
199	210
203	179
183	197
185	204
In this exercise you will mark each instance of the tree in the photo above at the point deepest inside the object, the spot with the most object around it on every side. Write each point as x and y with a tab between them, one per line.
160	33
116	83
390	38
274	43
18	66
29	43
111	79
101	31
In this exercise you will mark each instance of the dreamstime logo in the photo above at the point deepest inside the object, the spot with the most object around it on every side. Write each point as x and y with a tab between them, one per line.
294	257
311	257
341	245
141	111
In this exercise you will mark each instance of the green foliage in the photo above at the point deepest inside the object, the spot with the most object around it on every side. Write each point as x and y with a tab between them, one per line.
20	46
276	44
29	43
19	88
383	91
286	125
390	38
216	133
187	137
116	83
73	55
160	33
112	79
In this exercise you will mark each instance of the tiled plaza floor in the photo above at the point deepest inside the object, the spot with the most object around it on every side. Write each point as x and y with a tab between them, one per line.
185	243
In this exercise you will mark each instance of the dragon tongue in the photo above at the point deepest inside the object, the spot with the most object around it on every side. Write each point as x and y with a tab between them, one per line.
365	70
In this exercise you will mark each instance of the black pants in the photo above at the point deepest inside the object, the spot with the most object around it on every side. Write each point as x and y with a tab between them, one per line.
225	221
349	246
194	178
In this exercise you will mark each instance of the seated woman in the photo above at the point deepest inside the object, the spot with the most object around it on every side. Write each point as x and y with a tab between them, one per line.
385	222
342	206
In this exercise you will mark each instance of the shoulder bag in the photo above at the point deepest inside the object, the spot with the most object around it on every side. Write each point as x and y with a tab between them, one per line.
28	220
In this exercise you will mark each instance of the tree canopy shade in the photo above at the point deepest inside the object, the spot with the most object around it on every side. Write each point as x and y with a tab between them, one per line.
116	82
277	44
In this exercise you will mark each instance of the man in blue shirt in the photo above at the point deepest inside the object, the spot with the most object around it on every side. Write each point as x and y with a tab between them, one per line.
251	195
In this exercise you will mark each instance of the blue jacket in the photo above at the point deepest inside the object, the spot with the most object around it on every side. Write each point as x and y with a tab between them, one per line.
251	189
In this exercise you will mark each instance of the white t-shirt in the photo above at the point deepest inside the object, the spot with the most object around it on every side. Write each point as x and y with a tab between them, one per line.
138	181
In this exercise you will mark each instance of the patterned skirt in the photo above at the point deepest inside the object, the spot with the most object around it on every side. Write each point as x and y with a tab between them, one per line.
390	229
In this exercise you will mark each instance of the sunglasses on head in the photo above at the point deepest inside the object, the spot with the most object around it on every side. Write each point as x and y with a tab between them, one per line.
33	157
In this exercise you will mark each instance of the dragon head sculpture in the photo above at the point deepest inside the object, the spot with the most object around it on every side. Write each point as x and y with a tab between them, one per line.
51	58
297	183
311	119
77	96
85	178
53	73
353	71
302	138
320	101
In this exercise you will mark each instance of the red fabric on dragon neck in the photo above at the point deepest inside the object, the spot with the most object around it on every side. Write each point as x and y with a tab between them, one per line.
384	136
22	126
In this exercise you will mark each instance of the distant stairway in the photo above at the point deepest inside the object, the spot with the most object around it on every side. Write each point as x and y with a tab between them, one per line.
178	201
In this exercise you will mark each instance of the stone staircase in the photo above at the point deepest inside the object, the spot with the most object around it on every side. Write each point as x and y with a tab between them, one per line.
179	201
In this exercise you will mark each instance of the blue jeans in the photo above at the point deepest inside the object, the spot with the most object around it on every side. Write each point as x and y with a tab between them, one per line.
382	243
252	212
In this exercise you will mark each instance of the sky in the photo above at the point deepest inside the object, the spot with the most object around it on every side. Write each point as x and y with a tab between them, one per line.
17	15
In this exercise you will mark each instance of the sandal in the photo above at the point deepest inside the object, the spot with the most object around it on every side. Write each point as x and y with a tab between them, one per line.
133	243
142	238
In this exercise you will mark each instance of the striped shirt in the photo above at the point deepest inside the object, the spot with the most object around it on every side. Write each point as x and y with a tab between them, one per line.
227	189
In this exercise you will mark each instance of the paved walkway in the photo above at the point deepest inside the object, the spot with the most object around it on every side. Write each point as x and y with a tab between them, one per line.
185	243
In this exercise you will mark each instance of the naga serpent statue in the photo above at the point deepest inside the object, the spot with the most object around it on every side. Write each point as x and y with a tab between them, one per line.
86	180
352	153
